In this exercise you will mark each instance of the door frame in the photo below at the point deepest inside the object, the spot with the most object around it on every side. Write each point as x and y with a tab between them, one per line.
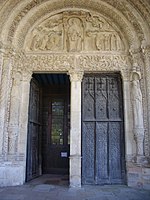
76	79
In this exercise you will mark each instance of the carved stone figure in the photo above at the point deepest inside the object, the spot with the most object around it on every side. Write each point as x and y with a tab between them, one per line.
113	42
53	41
137	111
75	35
37	39
100	42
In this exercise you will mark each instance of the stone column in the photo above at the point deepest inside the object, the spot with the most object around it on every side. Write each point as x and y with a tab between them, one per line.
5	87
1	65
146	54
23	117
13	128
75	132
130	148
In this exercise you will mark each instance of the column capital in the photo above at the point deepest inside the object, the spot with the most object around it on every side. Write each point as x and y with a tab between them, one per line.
146	49
76	76
27	75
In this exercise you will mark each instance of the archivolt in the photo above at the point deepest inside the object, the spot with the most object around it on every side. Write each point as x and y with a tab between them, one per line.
26	13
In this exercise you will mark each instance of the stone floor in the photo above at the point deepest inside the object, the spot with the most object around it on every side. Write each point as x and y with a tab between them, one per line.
56	188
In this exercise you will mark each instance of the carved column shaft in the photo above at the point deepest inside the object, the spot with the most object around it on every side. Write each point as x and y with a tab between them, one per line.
4	102
23	117
1	66
128	116
146	52
14	112
75	132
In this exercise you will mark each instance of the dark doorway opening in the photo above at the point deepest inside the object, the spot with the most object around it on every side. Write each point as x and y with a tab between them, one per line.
103	150
48	126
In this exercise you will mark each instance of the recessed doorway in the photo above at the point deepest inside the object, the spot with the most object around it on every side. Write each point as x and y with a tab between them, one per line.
48	145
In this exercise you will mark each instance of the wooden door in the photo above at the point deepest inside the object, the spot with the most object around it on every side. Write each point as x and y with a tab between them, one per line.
56	120
102	130
34	133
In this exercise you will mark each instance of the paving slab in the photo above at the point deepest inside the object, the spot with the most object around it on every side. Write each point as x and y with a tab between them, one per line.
38	190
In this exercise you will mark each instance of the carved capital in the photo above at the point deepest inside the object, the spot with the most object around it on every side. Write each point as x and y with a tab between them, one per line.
146	50
76	76
125	74
135	71
145	46
134	50
27	75
137	58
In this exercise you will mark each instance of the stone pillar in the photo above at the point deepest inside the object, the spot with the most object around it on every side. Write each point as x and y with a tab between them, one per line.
1	65
23	118
146	54
5	87
129	139
75	132
13	128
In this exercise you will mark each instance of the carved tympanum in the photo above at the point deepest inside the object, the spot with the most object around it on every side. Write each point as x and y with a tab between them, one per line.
74	32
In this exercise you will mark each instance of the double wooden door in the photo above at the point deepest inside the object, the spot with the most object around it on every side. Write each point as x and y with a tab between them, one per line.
102	130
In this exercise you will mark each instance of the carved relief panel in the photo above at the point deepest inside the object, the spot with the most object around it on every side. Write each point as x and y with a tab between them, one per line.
74	32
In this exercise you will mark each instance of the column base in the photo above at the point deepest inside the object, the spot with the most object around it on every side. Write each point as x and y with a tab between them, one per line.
138	174
141	160
11	175
75	171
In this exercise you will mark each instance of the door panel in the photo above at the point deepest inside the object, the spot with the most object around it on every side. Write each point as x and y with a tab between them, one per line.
102	161
34	133
88	149
102	130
